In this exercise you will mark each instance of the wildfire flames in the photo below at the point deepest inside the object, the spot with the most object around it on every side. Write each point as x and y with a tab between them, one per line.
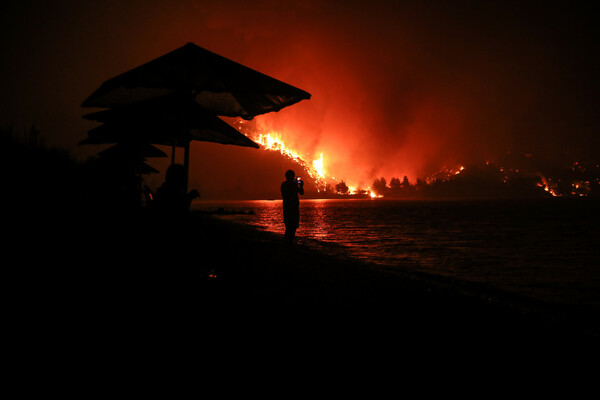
316	168
544	184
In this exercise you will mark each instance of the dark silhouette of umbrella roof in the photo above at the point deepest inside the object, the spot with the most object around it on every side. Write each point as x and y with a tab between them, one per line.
166	120
125	150
215	82
132	156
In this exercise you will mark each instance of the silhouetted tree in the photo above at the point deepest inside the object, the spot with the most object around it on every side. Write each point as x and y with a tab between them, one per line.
342	188
379	186
405	183
395	185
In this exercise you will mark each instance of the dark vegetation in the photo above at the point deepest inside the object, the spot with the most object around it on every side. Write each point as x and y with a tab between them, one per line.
490	180
41	181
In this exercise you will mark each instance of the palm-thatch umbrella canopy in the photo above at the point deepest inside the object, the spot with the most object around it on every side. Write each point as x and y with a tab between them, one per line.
216	83
132	157
166	120
124	149
170	120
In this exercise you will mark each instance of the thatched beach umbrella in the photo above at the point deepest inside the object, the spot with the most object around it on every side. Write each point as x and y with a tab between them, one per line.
213	82
167	120
124	150
216	83
170	120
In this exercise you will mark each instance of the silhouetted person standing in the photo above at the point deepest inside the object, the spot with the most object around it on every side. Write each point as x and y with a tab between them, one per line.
291	205
172	198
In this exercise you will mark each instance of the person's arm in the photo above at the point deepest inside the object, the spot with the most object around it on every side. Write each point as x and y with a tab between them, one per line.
301	187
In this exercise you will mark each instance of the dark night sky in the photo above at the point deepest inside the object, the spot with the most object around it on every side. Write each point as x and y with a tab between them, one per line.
398	88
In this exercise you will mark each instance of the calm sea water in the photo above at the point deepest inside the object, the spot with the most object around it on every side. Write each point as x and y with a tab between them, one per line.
544	248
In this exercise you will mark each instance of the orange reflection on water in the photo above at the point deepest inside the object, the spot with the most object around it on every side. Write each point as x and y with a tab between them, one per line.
314	218
316	221
269	215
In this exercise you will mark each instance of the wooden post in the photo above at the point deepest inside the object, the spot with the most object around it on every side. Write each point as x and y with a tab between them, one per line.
186	163
173	153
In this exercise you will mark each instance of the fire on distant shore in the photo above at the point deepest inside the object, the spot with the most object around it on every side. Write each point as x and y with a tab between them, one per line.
488	179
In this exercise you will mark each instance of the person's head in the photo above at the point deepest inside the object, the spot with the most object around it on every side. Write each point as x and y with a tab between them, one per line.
289	175
175	175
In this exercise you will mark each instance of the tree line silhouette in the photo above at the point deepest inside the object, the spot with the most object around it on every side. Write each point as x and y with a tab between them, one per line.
576	179
49	182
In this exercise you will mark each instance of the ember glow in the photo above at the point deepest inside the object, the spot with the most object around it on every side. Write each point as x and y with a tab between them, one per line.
548	186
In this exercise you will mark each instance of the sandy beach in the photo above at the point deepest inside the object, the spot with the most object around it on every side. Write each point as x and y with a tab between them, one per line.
218	276
217	266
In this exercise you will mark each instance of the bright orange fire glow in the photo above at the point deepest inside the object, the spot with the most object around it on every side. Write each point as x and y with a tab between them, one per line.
318	166
274	142
315	169
548	187
374	195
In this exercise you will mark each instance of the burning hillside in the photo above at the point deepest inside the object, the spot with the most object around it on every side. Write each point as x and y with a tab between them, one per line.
518	178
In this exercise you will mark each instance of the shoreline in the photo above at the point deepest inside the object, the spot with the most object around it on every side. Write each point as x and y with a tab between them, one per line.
205	269
259	271
244	211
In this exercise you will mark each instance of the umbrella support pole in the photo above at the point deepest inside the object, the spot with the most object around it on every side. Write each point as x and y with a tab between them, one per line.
186	164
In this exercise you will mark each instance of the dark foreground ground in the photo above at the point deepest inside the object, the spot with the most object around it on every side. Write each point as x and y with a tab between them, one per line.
105	277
